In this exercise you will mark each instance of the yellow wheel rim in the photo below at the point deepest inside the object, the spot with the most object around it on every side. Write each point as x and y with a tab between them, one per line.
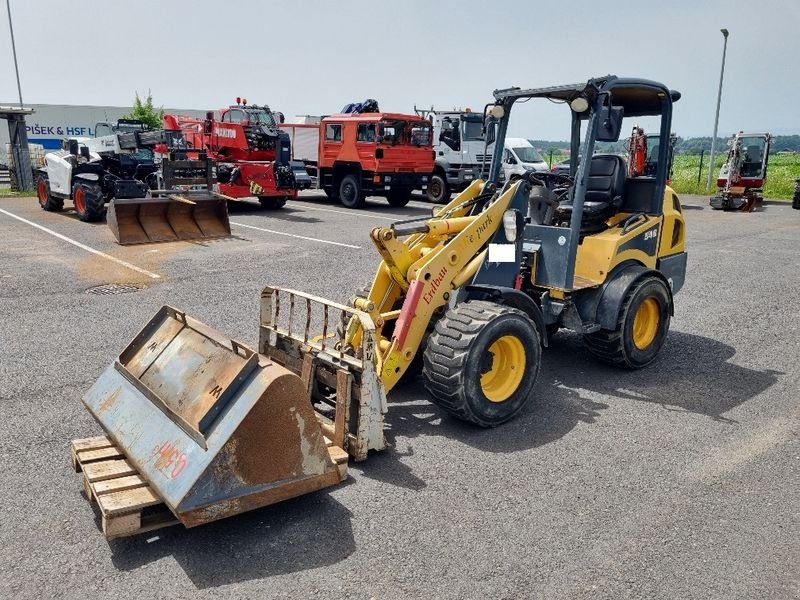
645	323
508	367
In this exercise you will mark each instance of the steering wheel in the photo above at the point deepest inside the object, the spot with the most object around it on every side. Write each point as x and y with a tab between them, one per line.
549	179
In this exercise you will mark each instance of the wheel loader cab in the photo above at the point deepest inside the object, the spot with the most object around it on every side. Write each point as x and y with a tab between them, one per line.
610	235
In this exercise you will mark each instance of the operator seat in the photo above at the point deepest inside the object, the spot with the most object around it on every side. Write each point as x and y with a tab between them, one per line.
604	193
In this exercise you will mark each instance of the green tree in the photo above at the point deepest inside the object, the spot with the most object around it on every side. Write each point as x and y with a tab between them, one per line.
146	113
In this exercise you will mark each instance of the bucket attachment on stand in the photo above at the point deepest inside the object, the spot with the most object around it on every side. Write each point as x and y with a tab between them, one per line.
345	386
212	427
191	215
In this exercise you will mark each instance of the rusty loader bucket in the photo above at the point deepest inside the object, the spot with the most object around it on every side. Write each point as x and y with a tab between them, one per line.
190	215
212	427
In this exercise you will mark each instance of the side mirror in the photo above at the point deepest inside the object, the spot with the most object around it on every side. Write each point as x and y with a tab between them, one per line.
85	153
610	124
510	158
72	147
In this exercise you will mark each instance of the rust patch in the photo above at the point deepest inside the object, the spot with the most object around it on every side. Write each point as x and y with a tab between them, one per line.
272	444
108	401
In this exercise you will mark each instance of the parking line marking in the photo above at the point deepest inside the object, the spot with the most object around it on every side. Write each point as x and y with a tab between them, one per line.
353	212
302	237
125	264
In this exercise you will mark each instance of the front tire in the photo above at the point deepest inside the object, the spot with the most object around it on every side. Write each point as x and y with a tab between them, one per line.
350	194
398	197
641	330
438	190
482	361
88	200
272	203
46	199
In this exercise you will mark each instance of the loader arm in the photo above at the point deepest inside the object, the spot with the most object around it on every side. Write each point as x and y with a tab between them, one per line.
440	255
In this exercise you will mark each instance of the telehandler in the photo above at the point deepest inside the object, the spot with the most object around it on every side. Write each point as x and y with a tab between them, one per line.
205	428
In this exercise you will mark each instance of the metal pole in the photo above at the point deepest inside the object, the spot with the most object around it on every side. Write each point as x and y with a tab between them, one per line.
716	118
700	170
14	50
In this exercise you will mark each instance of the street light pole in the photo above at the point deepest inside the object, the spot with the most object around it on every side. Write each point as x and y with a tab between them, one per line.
14	50
716	118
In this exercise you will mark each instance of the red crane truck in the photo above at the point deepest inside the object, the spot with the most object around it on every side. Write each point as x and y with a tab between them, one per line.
253	155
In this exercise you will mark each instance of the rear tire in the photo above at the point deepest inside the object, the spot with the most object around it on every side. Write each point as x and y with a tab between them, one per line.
399	197
272	203
88	199
482	361
46	200
642	327
350	194
438	190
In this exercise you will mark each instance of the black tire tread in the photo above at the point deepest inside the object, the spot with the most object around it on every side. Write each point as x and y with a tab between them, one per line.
608	346
272	202
447	350
53	204
95	203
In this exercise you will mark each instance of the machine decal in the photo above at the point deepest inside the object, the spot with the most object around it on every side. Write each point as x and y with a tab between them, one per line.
255	189
170	461
647	242
436	281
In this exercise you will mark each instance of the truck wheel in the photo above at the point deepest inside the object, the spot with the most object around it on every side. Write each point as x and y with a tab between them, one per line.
350	193
46	199
88	200
398	197
272	203
438	190
641	329
482	361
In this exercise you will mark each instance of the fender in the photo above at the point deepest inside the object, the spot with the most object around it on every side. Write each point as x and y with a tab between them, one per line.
510	297
612	293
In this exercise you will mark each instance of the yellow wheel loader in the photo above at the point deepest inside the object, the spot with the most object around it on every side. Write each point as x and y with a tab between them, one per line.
207	427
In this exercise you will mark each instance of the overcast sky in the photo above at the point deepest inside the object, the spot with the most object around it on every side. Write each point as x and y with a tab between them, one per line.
312	57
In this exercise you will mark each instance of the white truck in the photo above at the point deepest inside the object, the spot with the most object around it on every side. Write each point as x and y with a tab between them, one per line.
460	147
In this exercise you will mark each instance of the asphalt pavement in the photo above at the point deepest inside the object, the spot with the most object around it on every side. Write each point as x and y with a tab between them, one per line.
676	481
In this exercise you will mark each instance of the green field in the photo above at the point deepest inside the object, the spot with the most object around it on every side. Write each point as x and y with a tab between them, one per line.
783	170
782	173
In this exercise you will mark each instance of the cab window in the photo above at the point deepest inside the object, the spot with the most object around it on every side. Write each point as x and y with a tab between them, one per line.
365	132
234	116
333	132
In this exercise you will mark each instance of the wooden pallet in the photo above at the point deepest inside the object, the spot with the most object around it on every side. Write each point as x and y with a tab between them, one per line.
128	506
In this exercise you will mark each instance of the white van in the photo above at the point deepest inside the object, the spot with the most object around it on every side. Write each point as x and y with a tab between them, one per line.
519	156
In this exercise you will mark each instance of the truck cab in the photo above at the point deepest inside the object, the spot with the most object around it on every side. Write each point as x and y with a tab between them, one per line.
519	157
460	146
374	154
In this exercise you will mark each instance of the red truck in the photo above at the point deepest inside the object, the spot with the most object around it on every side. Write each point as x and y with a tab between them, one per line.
370	154
253	155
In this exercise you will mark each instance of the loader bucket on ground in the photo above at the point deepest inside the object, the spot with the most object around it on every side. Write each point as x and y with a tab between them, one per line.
213	427
190	216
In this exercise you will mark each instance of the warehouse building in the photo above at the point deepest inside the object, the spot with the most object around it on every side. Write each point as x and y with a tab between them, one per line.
51	123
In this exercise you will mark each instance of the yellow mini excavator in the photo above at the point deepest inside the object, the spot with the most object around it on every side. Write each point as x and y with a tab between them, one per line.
206	427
